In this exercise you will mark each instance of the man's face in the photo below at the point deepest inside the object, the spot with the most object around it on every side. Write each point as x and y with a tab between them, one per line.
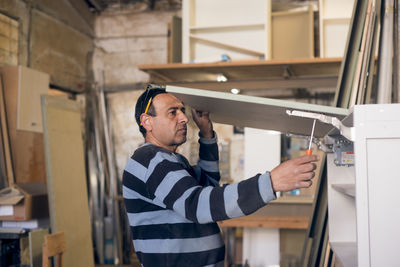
168	127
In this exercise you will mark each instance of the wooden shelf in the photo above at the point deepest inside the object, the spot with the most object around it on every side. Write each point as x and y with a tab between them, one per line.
249	74
283	222
293	200
221	27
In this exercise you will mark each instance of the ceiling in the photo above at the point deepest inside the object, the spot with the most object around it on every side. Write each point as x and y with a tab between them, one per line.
144	5
101	5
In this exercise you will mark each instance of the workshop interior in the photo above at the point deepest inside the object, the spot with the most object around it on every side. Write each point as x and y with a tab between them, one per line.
279	78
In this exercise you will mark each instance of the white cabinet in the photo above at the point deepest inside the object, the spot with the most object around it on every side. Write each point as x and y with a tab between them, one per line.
364	215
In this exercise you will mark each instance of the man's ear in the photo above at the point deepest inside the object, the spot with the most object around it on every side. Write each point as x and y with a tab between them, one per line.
145	119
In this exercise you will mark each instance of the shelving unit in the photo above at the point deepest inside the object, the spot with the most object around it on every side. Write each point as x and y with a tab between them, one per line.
243	31
212	28
363	198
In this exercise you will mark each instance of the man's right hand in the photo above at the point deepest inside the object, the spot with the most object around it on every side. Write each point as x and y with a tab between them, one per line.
294	173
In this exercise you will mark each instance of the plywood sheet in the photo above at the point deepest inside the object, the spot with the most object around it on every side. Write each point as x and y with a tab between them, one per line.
36	239
293	34
5	142
66	178
256	112
31	85
27	147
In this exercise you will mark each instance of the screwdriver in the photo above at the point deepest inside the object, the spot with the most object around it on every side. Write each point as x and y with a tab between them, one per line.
309	151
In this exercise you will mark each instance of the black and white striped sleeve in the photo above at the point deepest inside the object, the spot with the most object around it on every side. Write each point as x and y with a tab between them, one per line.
207	168
171	184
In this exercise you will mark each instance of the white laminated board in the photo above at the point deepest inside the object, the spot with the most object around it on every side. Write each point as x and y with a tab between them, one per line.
66	178
256	112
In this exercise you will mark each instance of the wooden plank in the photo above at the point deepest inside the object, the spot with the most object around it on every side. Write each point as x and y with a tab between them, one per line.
31	85
66	177
293	34
291	242
348	68
175	40
284	222
5	138
318	222
55	243
36	239
256	112
24	250
360	71
27	148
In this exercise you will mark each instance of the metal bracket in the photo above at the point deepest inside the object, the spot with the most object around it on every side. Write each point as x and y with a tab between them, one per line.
347	132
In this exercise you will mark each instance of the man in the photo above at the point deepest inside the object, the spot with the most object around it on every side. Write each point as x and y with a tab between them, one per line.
173	207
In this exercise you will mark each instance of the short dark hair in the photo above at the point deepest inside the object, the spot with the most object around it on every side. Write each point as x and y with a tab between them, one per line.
142	102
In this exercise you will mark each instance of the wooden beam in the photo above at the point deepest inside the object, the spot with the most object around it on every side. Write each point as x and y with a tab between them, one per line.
5	138
283	222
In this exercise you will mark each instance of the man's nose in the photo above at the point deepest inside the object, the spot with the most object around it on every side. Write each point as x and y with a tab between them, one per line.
183	117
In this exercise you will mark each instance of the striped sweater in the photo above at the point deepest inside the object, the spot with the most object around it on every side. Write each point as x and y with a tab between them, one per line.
173	207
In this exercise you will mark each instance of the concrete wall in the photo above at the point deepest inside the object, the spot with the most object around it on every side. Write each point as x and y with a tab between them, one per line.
55	37
126	40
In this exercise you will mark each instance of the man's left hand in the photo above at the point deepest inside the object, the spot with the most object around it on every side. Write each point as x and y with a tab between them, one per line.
202	120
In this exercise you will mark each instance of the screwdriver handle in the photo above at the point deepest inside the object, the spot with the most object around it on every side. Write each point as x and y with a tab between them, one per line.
309	152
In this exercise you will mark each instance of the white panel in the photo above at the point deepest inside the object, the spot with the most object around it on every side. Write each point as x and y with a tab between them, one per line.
261	247
384	212
262	153
229	12
204	52
335	37
377	182
334	19
256	112
336	8
342	215
248	37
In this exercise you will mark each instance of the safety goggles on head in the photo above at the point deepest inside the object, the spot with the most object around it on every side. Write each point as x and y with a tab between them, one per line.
149	87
